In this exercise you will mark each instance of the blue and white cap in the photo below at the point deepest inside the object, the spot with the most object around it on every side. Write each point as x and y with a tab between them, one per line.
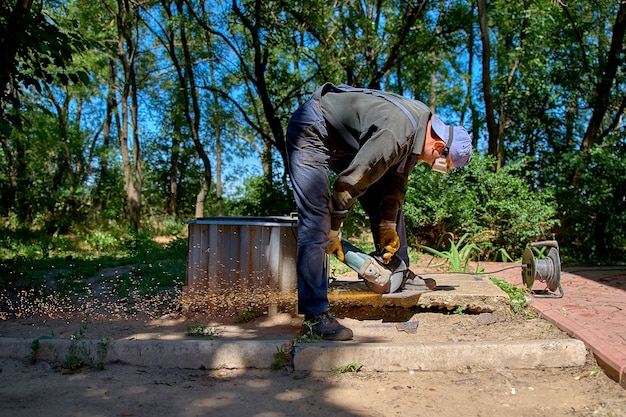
457	139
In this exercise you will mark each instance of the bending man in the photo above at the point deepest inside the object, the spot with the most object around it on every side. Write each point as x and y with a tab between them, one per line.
372	140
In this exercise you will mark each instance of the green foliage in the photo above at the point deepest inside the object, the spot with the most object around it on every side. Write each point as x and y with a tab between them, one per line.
43	49
357	222
280	359
309	335
62	169
517	296
79	353
351	367
34	348
499	209
458	255
258	198
249	315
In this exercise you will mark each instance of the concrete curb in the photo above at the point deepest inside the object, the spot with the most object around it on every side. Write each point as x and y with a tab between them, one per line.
322	356
443	356
192	354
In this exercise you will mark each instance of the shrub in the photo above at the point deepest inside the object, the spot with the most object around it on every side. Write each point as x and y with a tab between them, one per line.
498	209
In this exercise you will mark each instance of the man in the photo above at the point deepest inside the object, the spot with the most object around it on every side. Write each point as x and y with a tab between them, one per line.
372	140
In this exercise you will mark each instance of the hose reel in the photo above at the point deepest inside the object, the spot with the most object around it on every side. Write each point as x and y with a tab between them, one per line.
546	270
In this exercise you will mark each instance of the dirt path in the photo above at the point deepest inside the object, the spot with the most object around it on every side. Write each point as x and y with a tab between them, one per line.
118	390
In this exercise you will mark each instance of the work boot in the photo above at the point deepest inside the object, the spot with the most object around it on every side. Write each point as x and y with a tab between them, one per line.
327	327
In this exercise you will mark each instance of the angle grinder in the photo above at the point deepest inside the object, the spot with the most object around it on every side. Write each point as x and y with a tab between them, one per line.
380	277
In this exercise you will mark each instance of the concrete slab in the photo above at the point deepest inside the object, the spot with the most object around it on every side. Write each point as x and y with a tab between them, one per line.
468	292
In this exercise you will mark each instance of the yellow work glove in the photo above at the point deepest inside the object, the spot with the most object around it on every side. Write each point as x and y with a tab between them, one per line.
389	240
334	245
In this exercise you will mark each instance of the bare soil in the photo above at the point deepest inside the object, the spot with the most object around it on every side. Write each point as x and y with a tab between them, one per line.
121	390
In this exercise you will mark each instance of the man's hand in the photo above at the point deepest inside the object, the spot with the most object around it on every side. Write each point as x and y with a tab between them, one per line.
334	245
389	240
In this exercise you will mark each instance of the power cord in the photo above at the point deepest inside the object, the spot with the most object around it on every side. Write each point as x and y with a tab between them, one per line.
477	273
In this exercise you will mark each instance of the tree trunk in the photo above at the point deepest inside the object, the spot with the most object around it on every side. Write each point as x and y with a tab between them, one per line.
432	96
172	204
395	52
603	87
137	169
218	143
492	125
258	78
193	114
102	193
132	169
201	198
470	87
66	157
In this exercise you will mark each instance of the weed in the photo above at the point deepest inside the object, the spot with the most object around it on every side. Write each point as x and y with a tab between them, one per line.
200	330
34	348
458	255
103	347
195	329
251	314
351	367
459	311
503	255
280	359
79	353
309	336
517	296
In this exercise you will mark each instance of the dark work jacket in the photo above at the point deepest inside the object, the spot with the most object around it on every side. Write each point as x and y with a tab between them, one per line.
373	136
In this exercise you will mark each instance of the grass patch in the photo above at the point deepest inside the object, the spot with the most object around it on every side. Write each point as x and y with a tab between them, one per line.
51	274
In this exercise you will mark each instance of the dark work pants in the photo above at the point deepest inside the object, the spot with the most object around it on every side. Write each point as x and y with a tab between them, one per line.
310	159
